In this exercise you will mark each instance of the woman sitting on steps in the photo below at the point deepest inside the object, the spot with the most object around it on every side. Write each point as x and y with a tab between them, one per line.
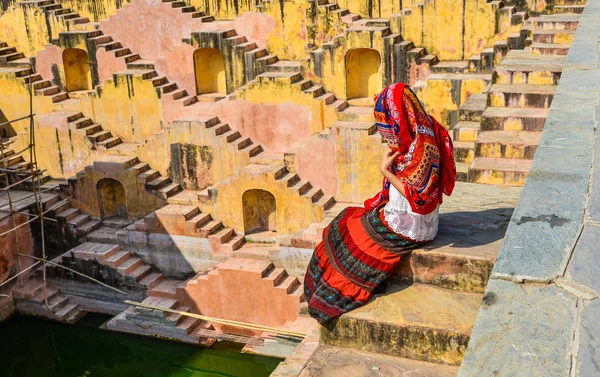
362	246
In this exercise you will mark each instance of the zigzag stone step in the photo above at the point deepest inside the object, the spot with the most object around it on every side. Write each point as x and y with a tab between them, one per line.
276	295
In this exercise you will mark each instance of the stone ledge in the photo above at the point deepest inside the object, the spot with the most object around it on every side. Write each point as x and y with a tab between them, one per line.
513	335
525	328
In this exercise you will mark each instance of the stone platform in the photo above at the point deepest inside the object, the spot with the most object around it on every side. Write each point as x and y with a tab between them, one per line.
333	362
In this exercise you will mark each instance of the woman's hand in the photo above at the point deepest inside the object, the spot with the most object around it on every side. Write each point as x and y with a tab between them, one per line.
389	157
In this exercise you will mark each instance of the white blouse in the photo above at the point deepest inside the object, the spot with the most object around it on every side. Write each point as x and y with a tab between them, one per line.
405	222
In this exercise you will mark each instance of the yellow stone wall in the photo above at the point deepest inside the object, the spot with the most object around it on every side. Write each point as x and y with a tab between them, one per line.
441	97
28	28
333	64
24	27
280	91
293	212
358	157
438	26
139	201
225	158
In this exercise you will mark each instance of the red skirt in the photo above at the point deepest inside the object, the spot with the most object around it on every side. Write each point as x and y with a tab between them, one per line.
358	252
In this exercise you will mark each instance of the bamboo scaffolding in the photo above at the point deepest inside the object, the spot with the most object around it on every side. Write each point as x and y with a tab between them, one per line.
73	271
31	173
243	325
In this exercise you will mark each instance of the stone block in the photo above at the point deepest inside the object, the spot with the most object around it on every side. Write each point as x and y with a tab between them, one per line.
573	128
583	268
589	343
544	227
521	331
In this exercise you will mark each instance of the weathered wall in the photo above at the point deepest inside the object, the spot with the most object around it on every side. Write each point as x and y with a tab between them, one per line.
138	200
28	27
455	30
19	241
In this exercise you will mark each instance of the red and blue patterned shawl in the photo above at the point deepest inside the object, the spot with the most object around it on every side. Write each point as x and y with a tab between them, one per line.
426	162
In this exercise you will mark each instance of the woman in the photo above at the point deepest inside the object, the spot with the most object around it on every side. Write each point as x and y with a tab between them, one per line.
362	246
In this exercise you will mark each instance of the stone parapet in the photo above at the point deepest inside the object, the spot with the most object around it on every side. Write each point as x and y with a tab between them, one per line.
536	317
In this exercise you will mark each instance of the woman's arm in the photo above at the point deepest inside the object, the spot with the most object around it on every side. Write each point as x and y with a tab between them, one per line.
388	159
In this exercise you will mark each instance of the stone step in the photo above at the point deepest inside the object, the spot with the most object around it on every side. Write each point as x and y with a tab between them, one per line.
556	22
538	48
356	114
471	231
118	258
553	36
169	190
466	131
29	289
507	144
462	171
129	265
472	108
284	66
522	96
67	310
94	250
140	272
329	361
68	213
88	226
459	66
499	171
568	2
464	151
575	9
79	220
436	329
513	119
166	288
289	284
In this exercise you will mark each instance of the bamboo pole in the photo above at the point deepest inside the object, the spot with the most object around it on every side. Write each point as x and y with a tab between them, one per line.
20	273
243	325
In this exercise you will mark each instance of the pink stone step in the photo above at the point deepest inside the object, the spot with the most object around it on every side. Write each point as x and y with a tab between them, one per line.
129	265
140	272
151	280
289	284
118	258
94	250
276	276
165	288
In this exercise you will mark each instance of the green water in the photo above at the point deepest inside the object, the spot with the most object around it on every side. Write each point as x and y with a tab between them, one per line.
37	348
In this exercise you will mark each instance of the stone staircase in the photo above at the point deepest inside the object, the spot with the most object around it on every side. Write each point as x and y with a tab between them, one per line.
184	220
55	10
31	297
13	61
165	325
276	295
274	174
108	264
59	209
516	106
99	138
424	319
